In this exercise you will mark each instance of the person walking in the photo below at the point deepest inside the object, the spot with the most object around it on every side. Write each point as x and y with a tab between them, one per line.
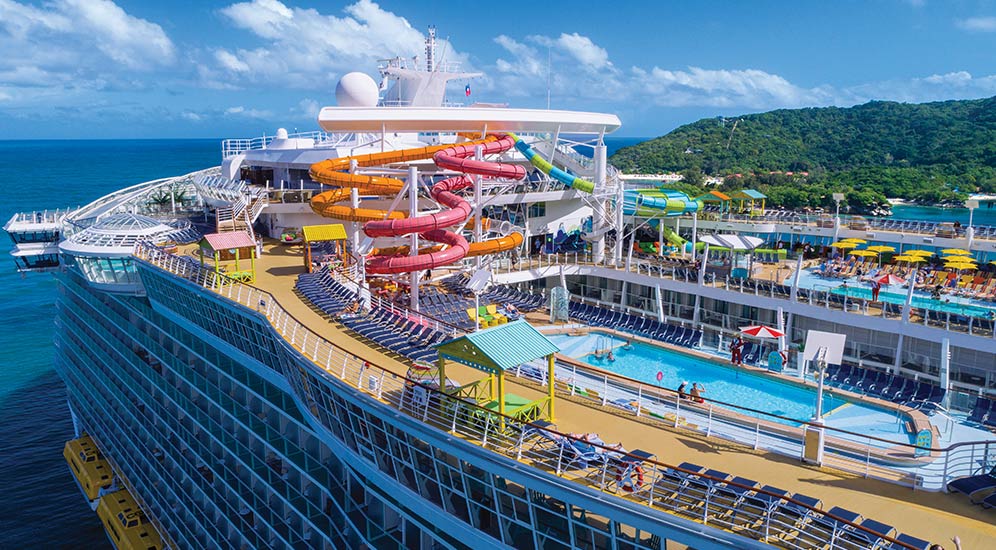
876	287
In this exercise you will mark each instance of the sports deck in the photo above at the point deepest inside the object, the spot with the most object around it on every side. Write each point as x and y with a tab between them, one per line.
932	516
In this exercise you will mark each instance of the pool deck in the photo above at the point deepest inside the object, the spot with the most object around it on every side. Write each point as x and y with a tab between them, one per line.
932	516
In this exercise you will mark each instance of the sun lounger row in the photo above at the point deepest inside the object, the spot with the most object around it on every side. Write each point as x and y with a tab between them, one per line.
984	412
881	384
649	328
397	333
499	295
743	505
981	489
328	295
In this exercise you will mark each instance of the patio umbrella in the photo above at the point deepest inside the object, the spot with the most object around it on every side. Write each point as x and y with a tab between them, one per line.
955	252
845	244
889	279
863	253
761	331
910	259
881	248
918	252
854	240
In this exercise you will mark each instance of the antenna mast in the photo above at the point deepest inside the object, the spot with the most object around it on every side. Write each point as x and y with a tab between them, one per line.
430	49
549	77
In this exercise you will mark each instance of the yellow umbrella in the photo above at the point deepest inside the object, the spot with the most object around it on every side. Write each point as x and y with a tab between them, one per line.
955	252
960	259
882	248
845	244
863	253
919	253
910	259
855	240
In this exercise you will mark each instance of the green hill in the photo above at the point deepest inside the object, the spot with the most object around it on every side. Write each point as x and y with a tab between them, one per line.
930	152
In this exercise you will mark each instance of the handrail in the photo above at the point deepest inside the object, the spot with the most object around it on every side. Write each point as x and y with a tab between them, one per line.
274	312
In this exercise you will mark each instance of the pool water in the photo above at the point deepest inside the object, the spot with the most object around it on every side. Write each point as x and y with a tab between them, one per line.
958	304
733	385
921	302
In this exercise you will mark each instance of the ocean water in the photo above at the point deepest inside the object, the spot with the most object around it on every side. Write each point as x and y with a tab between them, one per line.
44	509
985	215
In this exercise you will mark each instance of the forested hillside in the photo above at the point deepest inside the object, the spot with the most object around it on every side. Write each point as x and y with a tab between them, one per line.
931	152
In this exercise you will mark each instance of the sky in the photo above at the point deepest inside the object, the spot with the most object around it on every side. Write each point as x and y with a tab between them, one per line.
203	68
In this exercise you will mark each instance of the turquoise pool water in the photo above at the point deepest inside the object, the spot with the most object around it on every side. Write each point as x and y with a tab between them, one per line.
957	304
922	302
735	386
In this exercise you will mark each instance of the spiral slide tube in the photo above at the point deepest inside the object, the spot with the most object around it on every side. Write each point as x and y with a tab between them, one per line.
544	166
430	227
334	172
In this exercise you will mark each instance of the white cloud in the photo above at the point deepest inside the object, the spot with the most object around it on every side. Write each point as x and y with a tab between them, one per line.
751	88
978	24
307	109
72	47
303	48
584	50
241	111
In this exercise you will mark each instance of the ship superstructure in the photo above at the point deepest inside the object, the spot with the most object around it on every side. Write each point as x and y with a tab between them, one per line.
285	350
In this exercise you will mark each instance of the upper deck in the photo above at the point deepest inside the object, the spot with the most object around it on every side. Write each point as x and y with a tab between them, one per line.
932	516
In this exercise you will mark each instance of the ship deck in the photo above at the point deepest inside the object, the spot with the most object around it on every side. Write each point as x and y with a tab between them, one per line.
932	516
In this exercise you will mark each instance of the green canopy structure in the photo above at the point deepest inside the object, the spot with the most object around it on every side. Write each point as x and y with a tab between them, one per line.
497	350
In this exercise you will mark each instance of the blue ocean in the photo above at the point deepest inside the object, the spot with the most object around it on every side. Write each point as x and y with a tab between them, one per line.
44	508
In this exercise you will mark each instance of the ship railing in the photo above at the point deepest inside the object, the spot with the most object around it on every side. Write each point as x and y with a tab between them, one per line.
234	146
37	217
635	475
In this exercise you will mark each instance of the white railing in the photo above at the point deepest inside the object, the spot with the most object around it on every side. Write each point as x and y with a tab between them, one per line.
638	475
234	146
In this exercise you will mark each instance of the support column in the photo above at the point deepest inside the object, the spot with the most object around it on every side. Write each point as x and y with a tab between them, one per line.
660	237
598	220
702	264
478	232
794	292
659	294
677	231
908	305
415	275
946	368
898	360
620	226
695	230
550	364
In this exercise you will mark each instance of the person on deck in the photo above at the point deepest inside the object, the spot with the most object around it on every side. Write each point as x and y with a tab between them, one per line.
681	390
876	287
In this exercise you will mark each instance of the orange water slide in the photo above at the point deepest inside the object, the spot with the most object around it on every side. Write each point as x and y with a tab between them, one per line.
336	172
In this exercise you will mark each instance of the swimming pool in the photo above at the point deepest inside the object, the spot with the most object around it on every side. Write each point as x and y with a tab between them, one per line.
735	386
857	289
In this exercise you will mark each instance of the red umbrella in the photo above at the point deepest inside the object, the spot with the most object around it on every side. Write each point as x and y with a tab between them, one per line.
761	331
890	279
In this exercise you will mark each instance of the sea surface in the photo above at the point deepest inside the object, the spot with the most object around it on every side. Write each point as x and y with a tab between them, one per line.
44	509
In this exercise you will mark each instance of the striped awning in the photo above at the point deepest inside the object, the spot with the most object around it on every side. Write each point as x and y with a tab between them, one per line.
733	242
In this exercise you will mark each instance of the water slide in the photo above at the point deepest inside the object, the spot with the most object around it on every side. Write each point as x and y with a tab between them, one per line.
544	166
657	203
430	227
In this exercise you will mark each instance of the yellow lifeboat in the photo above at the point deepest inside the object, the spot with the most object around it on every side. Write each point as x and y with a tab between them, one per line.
126	524
92	472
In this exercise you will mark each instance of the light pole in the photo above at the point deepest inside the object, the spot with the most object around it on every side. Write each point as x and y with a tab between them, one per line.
971	204
837	197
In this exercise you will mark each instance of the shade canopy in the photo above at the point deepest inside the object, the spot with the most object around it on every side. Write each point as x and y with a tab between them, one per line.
761	331
910	259
323	233
863	253
889	279
854	240
499	348
733	242
918	252
845	244
227	241
955	252
881	248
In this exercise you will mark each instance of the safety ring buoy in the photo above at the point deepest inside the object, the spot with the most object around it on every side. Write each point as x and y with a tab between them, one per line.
629	484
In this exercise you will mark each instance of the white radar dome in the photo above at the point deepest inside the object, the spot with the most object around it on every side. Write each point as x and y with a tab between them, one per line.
356	90
281	133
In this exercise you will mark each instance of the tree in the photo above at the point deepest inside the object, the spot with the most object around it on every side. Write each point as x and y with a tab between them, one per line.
693	177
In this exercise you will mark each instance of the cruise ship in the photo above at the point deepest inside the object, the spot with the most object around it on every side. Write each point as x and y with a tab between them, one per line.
431	325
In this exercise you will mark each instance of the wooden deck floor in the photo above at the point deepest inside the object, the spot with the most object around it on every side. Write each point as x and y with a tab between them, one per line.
933	516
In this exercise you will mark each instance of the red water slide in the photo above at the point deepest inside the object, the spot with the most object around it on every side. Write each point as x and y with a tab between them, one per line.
432	227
